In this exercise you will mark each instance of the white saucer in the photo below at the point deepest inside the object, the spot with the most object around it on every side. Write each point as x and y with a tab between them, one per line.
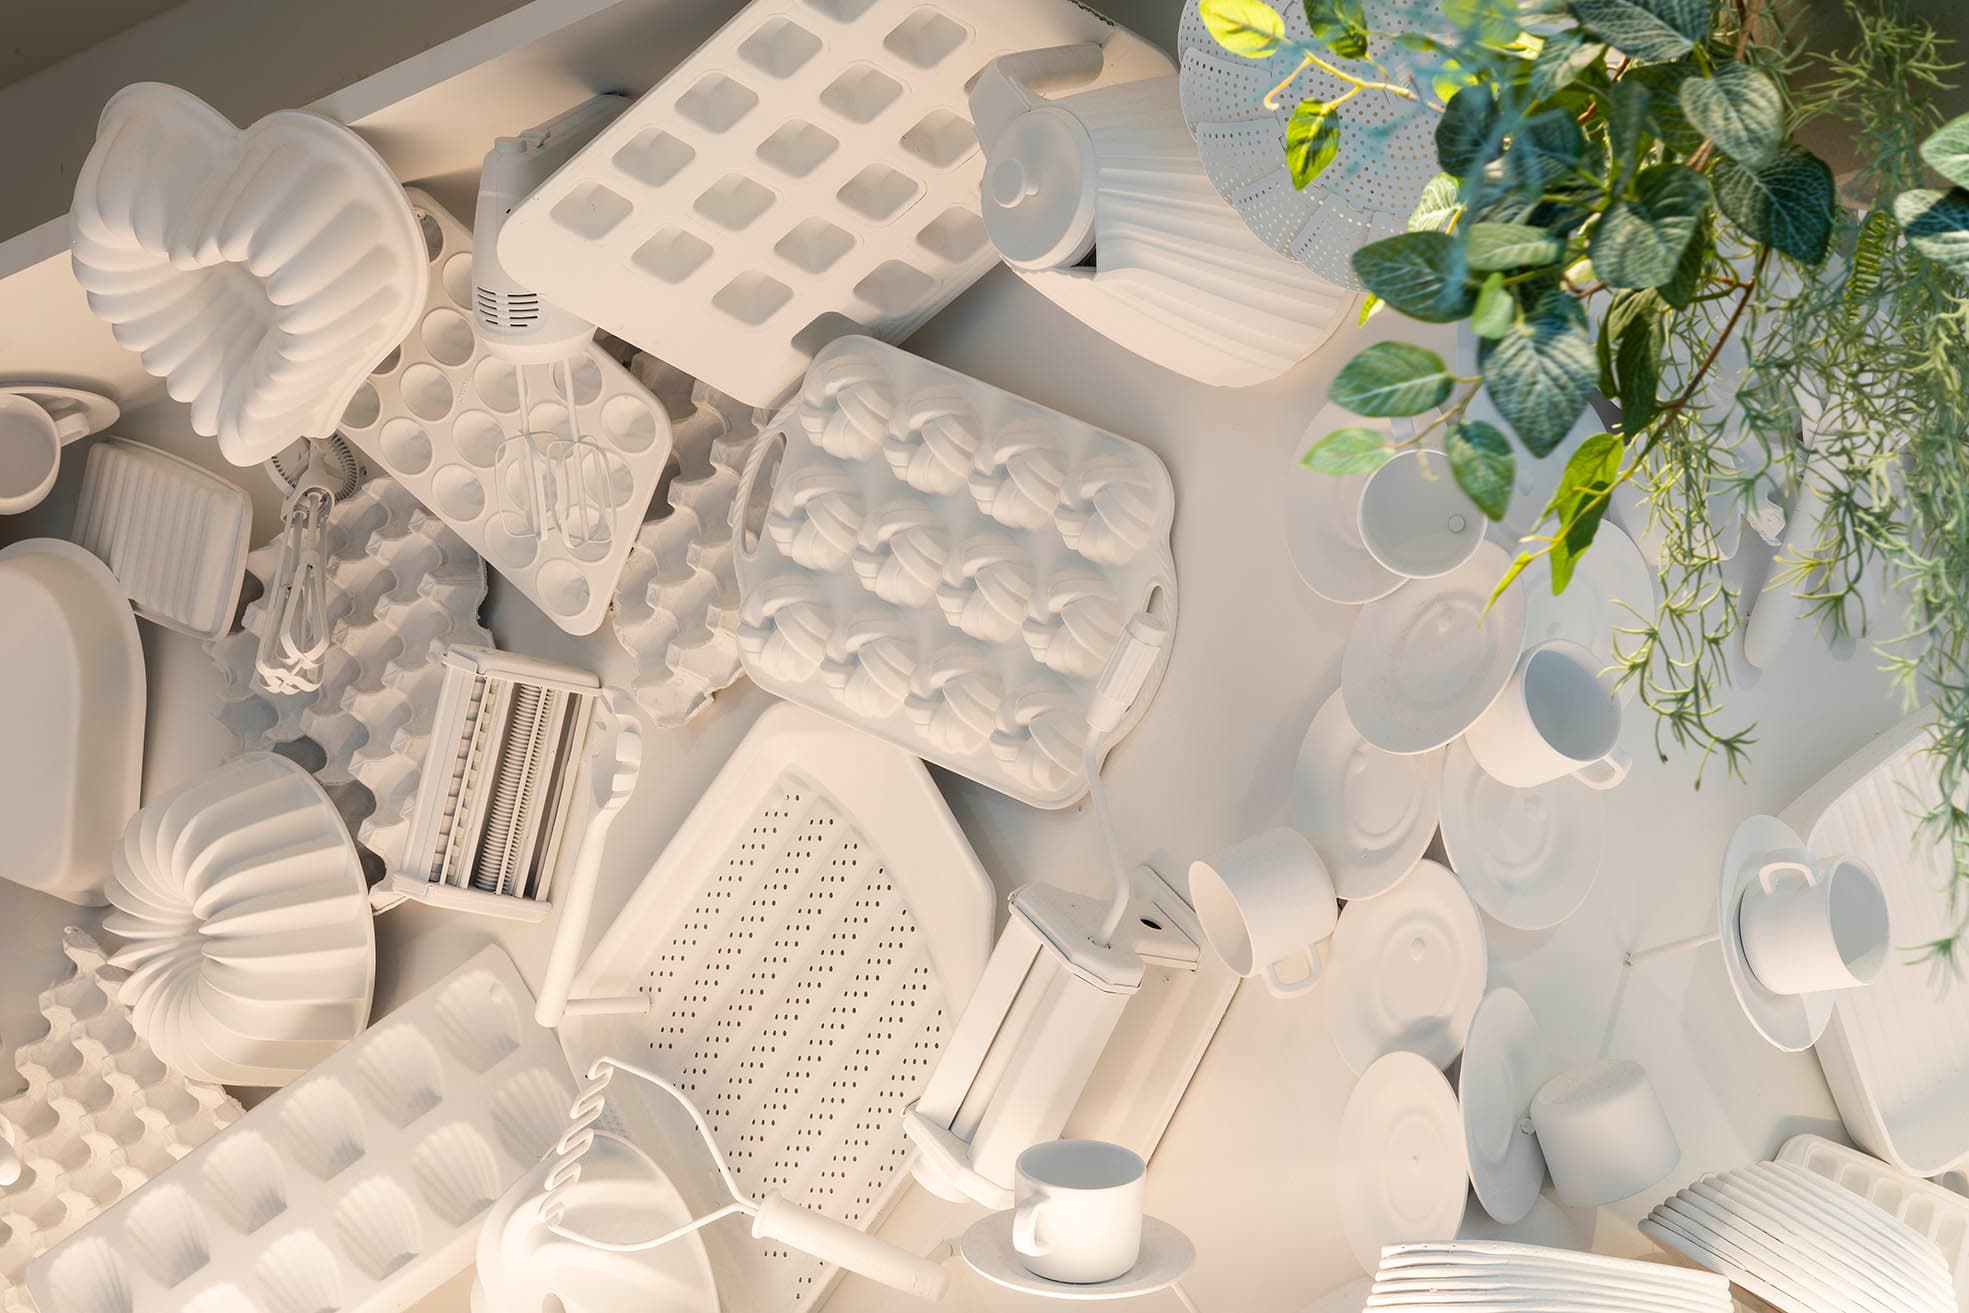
1528	857
1504	1063
1370	813
1792	1022
1402	1167
1322	520
1612	577
77	412
1166	1255
1423	665
1406	971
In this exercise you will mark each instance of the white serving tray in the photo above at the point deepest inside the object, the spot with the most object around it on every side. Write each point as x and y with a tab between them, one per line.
810	171
1941	1215
808	938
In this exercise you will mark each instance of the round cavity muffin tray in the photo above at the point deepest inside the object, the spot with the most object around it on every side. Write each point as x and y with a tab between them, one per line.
947	565
436	411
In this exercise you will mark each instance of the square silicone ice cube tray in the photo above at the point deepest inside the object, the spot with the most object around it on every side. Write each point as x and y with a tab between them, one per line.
358	1188
810	171
947	565
435	413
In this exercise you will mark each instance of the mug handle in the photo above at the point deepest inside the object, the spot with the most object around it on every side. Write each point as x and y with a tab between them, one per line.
1025	1224
1787	861
1293	989
1606	772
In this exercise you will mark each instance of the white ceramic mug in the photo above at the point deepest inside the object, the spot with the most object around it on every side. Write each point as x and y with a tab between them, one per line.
1810	926
1556	717
1078	1215
1604	1133
1414	520
30	453
1264	903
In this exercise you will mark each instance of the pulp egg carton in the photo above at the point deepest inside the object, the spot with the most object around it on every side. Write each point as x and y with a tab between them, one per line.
676	606
99	1116
435	413
810	171
358	1188
948	565
402	587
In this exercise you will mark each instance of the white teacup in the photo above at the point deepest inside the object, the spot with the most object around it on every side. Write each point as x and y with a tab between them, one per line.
30	453
1556	717
1810	926
1078	1216
1604	1133
1414	520
1264	903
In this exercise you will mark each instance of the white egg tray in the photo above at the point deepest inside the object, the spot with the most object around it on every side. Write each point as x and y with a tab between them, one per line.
1941	1215
356	1189
114	1116
948	566
676	605
174	535
403	587
436	411
810	171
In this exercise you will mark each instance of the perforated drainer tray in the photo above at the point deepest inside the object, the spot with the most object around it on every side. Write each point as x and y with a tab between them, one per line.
808	938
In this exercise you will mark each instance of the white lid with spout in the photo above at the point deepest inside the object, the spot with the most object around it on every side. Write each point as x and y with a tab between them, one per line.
1038	190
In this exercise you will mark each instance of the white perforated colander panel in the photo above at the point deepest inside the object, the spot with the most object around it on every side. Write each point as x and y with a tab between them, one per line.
1387	144
794	1000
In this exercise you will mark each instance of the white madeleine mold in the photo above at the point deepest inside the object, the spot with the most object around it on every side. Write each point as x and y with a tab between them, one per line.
947	565
260	273
100	1115
809	172
244	915
403	586
437	411
358	1188
676	606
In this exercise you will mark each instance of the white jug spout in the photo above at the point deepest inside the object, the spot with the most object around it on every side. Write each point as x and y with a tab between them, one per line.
1004	90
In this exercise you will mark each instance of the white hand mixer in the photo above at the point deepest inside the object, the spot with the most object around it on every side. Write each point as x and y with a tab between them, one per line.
294	633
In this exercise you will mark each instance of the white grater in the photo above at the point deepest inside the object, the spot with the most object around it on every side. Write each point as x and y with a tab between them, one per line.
498	783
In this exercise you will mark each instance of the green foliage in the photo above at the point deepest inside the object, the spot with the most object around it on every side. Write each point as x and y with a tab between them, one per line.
1640	240
1497	310
1439	207
1348	451
1647	29
1392	379
1540	374
1785	202
1740	109
1420	274
1244	27
1936	224
1482	462
1341	24
1312	139
1494	246
1946	151
1580	503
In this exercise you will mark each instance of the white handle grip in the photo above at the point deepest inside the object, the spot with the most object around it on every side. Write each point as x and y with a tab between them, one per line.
1775	614
844	1246
1787	861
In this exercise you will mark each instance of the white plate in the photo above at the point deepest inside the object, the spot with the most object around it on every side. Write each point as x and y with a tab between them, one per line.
77	413
1786	1248
1792	1022
1423	665
1751	1261
1612	589
1322	521
1406	971
1559	1296
1505	1061
1504	1255
1850	1215
1528	857
1402	1168
1524	1283
1661	1227
1166	1254
1370	813
1831	1251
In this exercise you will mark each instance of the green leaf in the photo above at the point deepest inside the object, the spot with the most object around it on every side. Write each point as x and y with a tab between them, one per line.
1740	109
1666	121
1639	242
1786	203
1465	134
1440	204
1627	121
1493	22
1686	281
1937	225
1547	146
1947	150
1637	367
1539	374
1419	274
1312	139
1348	451
1510	577
1580	502
1565	56
1391	378
1625	309
1481	460
1369	304
1250	28
1497	309
1647	30
1509	246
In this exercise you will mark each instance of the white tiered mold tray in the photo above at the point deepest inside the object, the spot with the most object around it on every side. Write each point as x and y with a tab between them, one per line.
810	171
1941	1215
358	1188
436	411
949	566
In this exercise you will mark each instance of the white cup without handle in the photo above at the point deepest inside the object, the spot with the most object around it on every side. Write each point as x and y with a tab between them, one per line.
1264	904
1078	1215
1415	520
1810	926
1555	717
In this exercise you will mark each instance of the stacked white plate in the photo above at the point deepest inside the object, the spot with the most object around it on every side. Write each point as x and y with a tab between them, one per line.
1478	1276
1803	1244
